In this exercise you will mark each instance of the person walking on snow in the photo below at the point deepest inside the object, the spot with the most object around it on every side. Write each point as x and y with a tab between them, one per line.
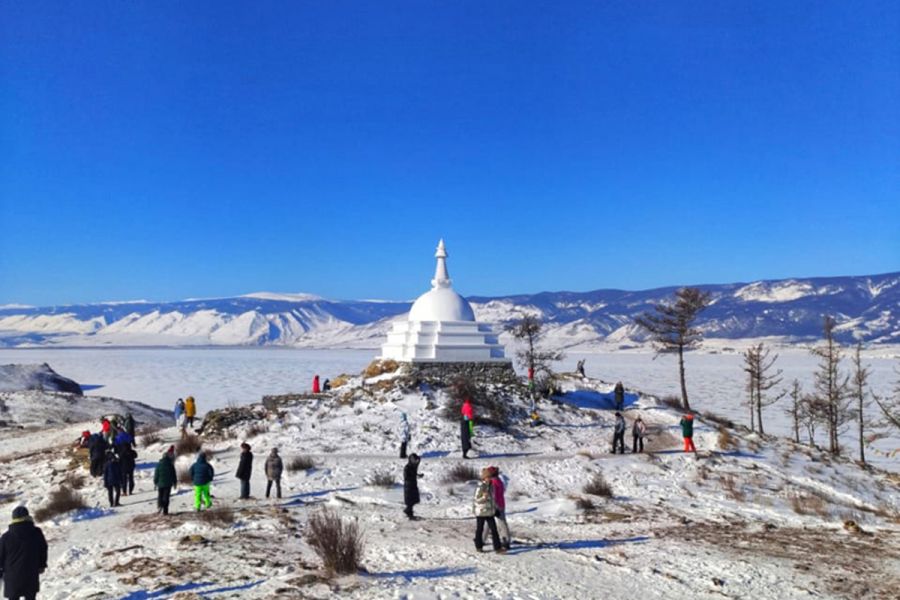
468	415
619	393
316	389
127	457
245	468
274	467
687	432
179	411
97	451
485	509
129	426
579	367
404	434
638	430
499	489
411	484
190	410
465	427
619	434
112	478
202	475
106	429
23	556
164	479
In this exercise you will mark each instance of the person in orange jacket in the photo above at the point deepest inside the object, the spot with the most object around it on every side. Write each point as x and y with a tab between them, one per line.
190	410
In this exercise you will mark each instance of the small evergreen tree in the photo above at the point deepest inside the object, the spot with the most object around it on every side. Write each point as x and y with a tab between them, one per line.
527	332
671	327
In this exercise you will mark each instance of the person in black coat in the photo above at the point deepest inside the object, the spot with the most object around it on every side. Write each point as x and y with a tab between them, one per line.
23	556
129	426
465	437
112	478
245	467
127	456
411	484
97	451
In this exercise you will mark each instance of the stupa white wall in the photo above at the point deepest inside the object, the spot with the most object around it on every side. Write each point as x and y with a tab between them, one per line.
441	327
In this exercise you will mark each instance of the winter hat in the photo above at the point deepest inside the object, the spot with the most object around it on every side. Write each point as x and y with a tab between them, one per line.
618	414
171	450
20	512
494	471
414	458
245	445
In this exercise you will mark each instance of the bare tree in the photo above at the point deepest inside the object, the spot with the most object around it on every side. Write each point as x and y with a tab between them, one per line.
830	387
860	383
671	327
758	363
538	361
812	412
890	407
795	412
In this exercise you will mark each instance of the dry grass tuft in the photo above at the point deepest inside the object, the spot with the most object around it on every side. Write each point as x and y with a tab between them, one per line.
733	488
381	478
584	503
221	516
598	486
379	367
74	480
188	445
671	402
726	440
62	500
461	473
337	542
149	438
340	380
255	429
300	463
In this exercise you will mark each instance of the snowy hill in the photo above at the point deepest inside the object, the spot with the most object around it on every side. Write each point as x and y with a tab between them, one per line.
867	308
748	516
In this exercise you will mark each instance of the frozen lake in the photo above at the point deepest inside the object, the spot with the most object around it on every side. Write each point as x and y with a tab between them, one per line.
218	377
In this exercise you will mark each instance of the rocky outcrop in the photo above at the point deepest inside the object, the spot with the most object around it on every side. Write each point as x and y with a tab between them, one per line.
18	378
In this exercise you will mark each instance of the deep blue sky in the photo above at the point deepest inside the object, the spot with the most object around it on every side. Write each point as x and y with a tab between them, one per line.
194	149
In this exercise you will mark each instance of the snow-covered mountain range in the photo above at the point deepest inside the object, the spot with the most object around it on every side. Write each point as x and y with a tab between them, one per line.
867	308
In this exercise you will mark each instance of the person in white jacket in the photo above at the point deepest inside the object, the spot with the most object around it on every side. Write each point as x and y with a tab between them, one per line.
485	508
638	430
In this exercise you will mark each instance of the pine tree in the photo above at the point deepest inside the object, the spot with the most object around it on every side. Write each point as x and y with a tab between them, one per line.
671	327
795	412
538	361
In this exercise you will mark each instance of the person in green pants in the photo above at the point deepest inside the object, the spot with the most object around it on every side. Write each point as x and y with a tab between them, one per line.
201	475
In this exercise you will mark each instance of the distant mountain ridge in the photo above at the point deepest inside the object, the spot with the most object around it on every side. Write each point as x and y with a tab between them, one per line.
867	309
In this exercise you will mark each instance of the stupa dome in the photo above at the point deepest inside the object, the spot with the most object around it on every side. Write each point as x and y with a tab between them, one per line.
441	304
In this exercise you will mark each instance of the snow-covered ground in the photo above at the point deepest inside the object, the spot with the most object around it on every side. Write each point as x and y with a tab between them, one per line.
219	377
749	521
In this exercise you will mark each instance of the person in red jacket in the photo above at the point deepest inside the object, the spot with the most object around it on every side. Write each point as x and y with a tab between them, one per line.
316	389
466	427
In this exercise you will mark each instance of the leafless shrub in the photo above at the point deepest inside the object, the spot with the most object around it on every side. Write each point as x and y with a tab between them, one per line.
222	516
74	480
381	478
62	500
340	380
584	503
461	473
598	486
255	429
184	477
188	445
337	542
490	408
149	438
301	463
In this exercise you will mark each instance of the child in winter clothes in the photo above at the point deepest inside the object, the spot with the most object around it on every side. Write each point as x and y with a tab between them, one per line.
245	467
112	478
411	484
404	434
687	432
485	509
499	490
637	434
202	475
274	468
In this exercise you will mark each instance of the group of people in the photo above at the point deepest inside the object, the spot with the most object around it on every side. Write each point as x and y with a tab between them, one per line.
112	455
489	503
318	389
274	467
638	431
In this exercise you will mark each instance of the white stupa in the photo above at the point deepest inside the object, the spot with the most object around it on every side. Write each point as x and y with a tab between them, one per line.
441	327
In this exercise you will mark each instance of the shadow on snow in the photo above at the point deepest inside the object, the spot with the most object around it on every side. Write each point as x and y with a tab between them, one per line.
425	573
595	400
174	589
578	544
